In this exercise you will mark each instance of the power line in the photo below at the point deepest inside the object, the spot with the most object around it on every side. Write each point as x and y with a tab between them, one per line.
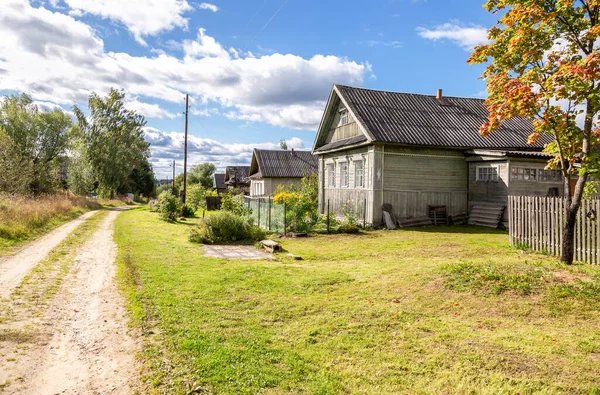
270	20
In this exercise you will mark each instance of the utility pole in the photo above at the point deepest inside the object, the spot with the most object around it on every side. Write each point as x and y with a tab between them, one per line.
187	103
173	177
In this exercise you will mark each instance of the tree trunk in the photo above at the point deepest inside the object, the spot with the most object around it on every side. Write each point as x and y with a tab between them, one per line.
568	241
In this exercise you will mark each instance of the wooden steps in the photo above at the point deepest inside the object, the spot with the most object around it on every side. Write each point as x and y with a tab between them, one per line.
486	215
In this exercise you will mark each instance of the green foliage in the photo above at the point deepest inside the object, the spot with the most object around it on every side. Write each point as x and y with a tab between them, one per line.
348	228
301	203
233	203
169	206
188	211
225	227
196	197
201	174
40	138
15	171
140	180
212	192
114	138
81	180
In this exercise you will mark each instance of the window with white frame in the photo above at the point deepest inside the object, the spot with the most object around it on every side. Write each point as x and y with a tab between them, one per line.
359	174
331	175
343	117
532	175
344	174
487	173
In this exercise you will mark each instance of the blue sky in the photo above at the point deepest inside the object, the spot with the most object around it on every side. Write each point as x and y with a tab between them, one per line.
257	70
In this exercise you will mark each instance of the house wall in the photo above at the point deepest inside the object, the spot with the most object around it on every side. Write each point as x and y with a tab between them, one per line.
359	200
340	132
415	178
271	184
531	188
488	191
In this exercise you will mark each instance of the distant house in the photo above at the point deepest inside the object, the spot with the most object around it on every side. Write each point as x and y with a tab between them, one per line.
272	168
238	177
219	182
413	151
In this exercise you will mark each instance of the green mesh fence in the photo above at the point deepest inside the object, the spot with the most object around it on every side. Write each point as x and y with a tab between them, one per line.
266	214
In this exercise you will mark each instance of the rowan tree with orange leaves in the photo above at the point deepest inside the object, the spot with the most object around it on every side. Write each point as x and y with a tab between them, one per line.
543	63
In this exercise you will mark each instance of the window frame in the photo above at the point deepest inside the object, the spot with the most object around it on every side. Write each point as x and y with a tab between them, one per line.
330	167
534	174
344	118
492	173
359	175
344	175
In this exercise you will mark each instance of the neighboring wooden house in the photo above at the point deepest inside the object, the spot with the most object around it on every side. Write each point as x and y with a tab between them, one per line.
413	151
270	169
219	182
238	177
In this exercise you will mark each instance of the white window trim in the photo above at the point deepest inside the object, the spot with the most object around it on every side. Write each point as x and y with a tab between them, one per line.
344	114
347	183
362	161
478	179
537	176
330	175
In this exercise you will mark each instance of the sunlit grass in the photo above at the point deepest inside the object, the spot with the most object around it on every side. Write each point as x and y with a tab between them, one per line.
436	310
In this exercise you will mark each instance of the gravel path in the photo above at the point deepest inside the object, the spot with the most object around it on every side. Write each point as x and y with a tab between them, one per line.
14	268
88	348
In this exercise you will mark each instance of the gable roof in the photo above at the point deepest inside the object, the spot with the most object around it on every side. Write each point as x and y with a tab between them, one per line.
237	175
423	120
218	180
282	164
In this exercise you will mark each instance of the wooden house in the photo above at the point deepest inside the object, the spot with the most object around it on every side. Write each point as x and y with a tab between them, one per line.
271	168
238	177
415	151
219	183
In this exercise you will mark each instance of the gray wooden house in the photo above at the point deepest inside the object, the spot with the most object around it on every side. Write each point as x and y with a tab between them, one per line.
414	151
219	183
271	168
238	177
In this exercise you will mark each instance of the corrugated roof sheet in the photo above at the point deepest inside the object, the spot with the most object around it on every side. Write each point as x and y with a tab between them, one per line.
413	119
219	180
283	164
236	175
342	143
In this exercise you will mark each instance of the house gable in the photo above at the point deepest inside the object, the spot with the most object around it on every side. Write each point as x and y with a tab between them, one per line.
339	125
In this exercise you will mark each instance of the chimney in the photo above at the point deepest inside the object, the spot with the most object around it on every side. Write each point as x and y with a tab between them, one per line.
439	94
292	152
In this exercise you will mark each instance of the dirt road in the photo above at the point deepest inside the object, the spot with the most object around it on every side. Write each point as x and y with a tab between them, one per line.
85	347
14	268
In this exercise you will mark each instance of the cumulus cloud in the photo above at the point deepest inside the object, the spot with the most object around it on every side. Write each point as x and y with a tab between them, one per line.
58	59
148	110
466	37
208	6
168	146
141	17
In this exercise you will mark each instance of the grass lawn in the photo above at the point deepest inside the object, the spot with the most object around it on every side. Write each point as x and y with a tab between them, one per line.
435	310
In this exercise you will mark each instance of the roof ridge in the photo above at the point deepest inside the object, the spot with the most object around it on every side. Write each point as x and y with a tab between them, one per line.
406	93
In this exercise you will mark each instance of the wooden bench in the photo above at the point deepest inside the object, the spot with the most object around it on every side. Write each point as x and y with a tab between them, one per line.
271	246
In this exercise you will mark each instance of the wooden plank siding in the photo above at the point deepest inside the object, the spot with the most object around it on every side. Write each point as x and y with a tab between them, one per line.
537	222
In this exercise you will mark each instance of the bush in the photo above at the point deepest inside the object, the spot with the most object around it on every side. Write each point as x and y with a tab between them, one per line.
233	203
196	197
168	207
188	211
348	228
225	227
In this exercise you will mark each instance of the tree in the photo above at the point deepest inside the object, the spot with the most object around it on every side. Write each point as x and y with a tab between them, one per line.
41	137
114	139
283	144
544	64
200	174
80	177
140	181
15	171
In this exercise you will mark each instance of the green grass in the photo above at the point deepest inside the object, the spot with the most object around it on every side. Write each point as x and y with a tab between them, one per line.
437	310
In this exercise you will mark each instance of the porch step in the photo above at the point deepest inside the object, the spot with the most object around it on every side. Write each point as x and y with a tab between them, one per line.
486	215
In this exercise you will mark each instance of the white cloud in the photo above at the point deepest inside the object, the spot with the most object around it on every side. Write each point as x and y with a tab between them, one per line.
148	110
141	17
208	6
168	146
466	37
391	44
58	59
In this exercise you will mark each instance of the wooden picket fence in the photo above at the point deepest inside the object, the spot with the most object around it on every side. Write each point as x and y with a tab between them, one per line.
537	222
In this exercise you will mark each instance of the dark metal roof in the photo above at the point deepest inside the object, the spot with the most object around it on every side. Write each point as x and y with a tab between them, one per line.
237	175
219	181
453	122
282	164
342	143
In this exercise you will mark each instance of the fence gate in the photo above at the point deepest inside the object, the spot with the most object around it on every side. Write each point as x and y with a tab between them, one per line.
537	223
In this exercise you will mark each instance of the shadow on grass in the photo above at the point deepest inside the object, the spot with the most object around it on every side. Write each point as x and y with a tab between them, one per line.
457	229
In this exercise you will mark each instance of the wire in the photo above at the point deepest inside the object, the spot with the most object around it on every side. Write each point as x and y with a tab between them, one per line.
270	20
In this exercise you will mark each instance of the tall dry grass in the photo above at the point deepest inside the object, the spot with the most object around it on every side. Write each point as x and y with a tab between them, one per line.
22	218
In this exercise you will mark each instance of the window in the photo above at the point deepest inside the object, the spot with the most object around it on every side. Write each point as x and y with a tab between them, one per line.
539	175
489	173
359	174
343	117
331	175
344	174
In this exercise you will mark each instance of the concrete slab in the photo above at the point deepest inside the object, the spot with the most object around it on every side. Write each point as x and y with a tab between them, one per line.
235	252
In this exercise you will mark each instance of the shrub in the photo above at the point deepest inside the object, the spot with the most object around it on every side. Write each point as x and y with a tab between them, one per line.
348	228
196	197
188	211
233	203
169	206
225	227
301	201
